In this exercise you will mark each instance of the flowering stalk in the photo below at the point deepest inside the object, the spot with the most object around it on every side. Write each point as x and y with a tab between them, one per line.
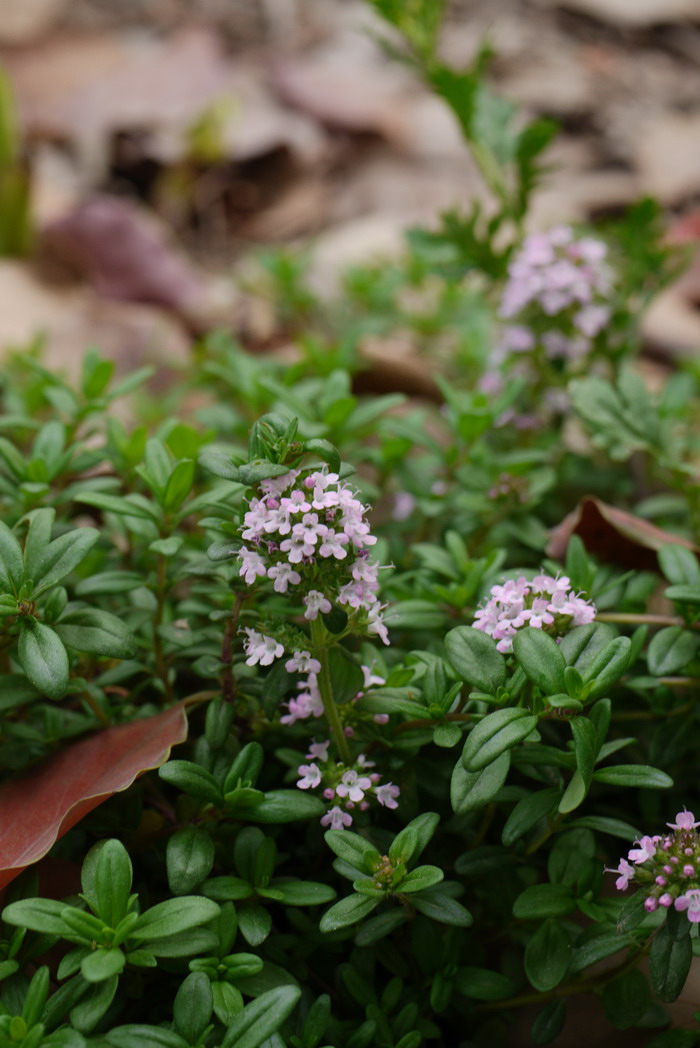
325	686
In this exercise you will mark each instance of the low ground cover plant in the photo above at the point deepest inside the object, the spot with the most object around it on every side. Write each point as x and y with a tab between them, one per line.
325	717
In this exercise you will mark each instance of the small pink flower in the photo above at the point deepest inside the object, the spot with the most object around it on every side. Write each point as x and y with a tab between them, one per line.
336	818
353	786
645	851
310	776
685	820
690	902
387	794
319	750
316	602
302	662
626	875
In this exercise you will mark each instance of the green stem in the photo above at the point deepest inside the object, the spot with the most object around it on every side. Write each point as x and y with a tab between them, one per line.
319	639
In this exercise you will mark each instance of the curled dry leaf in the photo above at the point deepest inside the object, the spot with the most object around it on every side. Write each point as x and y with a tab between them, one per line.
41	805
613	535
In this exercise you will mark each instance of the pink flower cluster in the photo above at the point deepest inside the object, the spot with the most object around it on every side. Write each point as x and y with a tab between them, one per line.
556	275
667	867
344	788
544	602
312	533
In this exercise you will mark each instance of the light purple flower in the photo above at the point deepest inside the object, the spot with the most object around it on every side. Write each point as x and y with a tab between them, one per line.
260	648
310	776
690	903
315	602
685	820
252	565
283	575
386	794
353	786
645	851
302	662
336	818
319	751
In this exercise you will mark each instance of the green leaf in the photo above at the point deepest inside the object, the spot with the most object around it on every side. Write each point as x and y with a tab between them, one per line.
378	927
11	561
326	451
549	1022
286	806
626	999
43	658
604	824
540	657
255	924
259	469
167	547
60	557
261	1018
121	507
447	735
547	956
227	1001
632	912
671	956
410	843
193	779
173	917
684	594
39	915
348	911
193	1006
581	645
441	907
482	984
179	485
544	900
139	1035
474	789
527	813
303	893
108	582
353	849
420	878
102	964
110	881
679	565
86	1014
569	855
670	650
634	775
347	678
189	858
496	733
96	632
597	949
475	657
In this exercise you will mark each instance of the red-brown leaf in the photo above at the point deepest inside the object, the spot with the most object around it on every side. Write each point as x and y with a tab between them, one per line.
613	535
42	804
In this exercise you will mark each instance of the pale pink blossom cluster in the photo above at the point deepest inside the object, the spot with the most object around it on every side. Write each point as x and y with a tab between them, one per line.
310	534
667	867
308	703
544	602
557	294
344	788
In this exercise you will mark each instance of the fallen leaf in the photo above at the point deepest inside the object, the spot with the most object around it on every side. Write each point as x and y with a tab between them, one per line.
124	253
45	802
631	12
20	23
613	535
